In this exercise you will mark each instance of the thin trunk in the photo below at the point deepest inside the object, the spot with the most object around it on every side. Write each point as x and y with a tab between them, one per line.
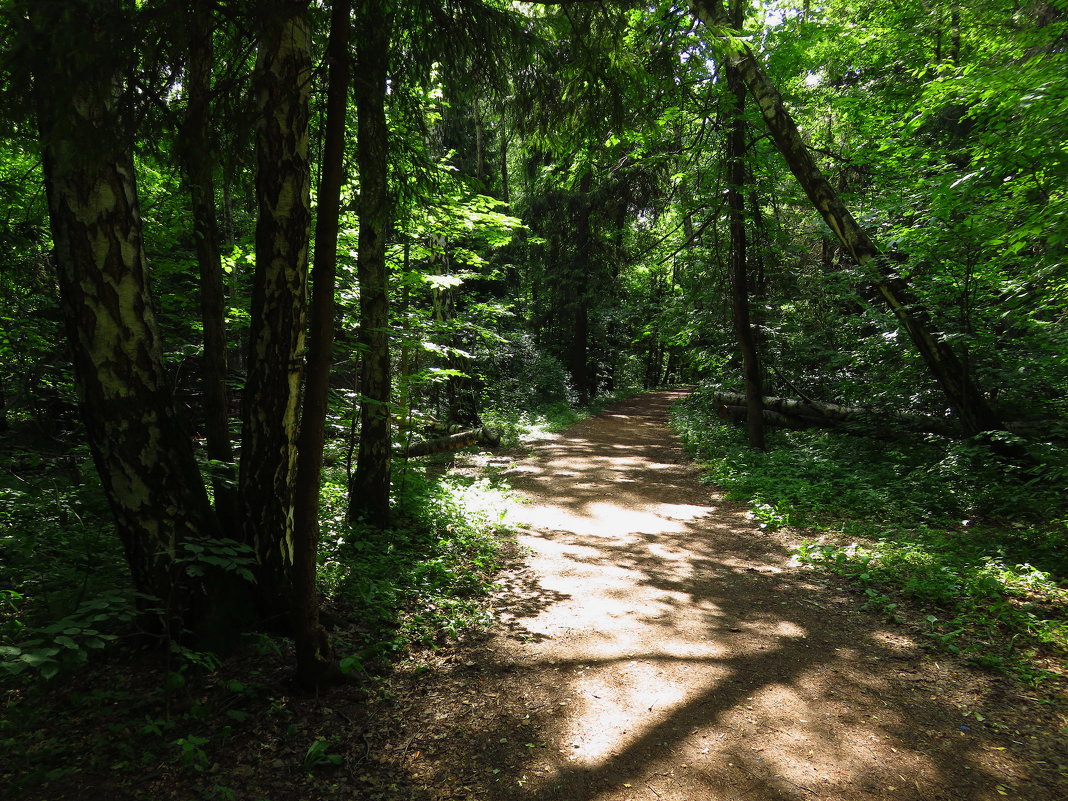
369	491
139	445
407	366
480	156
276	337
743	329
315	665
228	214
758	282
505	193
578	300
954	41
196	155
976	416
669	368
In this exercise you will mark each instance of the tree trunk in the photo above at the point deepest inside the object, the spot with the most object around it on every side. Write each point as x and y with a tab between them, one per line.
315	664
276	336
505	192
369	491
480	156
139	445
739	272
577	302
196	156
976	416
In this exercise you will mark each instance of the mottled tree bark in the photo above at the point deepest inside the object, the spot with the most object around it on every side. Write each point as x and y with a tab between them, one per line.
975	415
276	337
141	449
315	664
195	151
369	491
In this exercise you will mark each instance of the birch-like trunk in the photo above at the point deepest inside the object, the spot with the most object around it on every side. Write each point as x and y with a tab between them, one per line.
276	337
141	449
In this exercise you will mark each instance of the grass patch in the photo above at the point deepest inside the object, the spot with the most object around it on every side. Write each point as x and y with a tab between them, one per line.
968	549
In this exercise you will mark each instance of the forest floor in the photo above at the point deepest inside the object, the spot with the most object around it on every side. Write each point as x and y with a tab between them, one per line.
656	645
652	643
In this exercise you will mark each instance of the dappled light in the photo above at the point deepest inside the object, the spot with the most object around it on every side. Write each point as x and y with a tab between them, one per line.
665	647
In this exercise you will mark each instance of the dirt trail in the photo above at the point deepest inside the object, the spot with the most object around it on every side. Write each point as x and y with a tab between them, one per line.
657	646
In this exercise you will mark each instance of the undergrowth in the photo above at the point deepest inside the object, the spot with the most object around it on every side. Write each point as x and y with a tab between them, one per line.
422	581
64	590
77	702
968	549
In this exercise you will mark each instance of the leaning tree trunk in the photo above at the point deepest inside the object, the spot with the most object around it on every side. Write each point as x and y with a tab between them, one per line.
141	449
276	338
743	329
369	491
315	665
975	414
196	156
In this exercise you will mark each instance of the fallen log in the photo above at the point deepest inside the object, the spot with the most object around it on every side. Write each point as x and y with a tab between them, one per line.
796	414
453	442
739	414
831	415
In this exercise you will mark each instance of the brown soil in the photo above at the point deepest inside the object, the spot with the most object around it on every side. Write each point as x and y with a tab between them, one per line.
655	644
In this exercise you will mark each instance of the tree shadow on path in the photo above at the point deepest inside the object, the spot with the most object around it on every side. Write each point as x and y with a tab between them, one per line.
660	646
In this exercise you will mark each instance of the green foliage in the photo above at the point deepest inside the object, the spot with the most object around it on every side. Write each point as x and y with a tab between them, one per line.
68	641
65	589
997	613
318	754
62	585
191	752
938	532
864	483
423	581
519	377
937	124
229	556
546	418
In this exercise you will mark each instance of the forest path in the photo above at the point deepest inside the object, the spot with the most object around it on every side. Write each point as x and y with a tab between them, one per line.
656	645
